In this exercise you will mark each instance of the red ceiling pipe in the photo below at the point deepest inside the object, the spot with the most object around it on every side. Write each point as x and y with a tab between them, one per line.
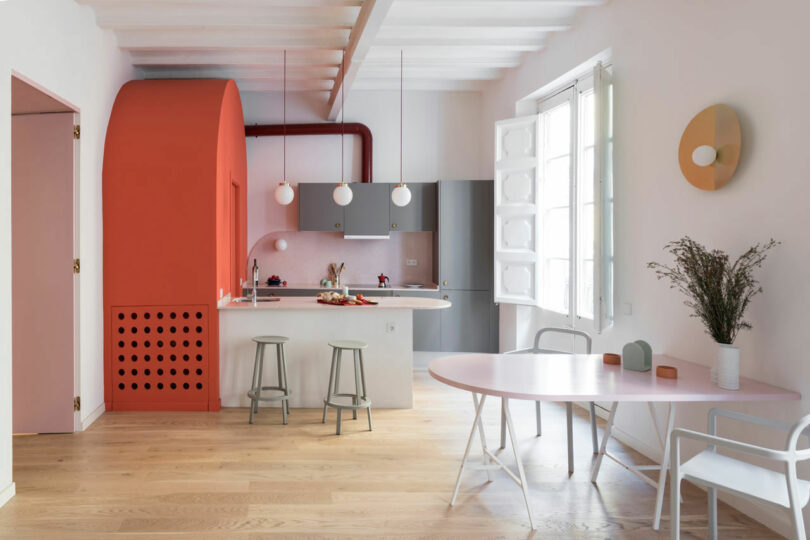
350	128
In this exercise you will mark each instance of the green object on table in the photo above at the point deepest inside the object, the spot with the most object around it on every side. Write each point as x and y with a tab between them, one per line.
637	356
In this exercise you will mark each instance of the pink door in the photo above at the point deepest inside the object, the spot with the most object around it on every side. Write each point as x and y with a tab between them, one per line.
42	277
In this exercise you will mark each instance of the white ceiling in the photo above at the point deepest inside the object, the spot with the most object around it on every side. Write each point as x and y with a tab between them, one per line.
447	44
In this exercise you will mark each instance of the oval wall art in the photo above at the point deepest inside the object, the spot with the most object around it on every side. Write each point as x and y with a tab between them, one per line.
710	147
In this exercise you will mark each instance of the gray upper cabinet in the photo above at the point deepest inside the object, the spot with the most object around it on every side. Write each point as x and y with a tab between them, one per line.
368	213
465	235
420	213
317	210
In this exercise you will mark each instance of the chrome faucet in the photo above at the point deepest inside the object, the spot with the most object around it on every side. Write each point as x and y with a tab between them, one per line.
255	280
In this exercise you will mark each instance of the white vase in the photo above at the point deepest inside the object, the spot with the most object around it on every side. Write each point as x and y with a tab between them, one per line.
728	367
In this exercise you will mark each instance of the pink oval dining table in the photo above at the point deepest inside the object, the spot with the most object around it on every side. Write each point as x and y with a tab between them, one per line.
584	377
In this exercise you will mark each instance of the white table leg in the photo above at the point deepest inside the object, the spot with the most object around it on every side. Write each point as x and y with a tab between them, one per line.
603	446
662	475
483	437
516	450
569	428
467	449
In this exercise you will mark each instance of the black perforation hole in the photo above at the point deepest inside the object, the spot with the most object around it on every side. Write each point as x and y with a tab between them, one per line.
199	386
147	329
172	315
198	315
160	315
121	344
135	372
147	372
173	386
134	316
185	329
199	343
199	329
134	386
120	329
185	343
121	358
186	371
173	371
147	386
173	329
160	343
199	358
134	344
185	315
199	371
185	357
121	386
134	357
122	372
185	385
146	358
147	343
173	358
120	316
160	358
134	329
160	329
160	386
147	315
160	372
173	343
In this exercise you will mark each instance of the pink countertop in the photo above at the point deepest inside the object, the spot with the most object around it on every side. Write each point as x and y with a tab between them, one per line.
582	377
353	286
310	303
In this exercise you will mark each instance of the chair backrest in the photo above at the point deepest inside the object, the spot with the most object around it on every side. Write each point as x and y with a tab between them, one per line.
552	330
802	427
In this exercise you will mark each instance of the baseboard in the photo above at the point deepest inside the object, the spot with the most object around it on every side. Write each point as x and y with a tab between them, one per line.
7	494
92	417
778	522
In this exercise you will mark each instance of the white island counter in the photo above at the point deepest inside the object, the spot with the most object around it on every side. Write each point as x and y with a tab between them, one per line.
386	327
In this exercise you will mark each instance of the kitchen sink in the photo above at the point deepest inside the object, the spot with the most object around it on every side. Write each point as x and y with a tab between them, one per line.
245	299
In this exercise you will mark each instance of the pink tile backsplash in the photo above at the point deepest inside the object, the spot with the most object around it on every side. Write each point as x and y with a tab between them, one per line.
308	254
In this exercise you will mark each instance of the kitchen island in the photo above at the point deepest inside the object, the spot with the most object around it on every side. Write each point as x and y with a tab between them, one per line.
387	328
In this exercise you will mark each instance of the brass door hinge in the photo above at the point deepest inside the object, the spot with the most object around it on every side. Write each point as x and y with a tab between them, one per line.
77	132
76	266
77	403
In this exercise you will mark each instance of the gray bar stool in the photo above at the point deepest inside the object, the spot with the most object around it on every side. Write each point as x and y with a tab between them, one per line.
358	400
256	389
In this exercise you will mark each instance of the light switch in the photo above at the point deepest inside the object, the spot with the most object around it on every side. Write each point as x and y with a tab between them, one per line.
411	262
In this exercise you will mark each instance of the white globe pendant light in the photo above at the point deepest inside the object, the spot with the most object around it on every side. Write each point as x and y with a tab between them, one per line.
342	194
401	195
284	193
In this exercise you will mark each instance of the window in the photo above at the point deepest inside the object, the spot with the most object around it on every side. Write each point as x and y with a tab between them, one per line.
553	204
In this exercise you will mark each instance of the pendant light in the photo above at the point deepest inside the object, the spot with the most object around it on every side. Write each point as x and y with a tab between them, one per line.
342	194
401	195
284	192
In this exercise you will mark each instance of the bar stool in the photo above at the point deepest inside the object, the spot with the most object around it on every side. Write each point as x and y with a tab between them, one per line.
358	400
256	389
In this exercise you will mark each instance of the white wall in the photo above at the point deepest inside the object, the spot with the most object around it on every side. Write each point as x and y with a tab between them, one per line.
57	44
672	59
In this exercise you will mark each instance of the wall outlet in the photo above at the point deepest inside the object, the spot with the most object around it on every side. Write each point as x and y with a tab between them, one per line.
390	327
411	262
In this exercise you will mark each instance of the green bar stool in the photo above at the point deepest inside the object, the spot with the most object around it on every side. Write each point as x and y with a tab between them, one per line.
336	399
256	388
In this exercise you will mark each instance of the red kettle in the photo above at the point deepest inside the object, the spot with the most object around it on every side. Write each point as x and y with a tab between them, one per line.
384	281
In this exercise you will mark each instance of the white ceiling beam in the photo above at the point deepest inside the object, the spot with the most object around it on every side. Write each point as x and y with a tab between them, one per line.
504	4
369	21
429	72
224	3
231	39
479	24
468	44
438	85
241	72
130	17
277	86
302	57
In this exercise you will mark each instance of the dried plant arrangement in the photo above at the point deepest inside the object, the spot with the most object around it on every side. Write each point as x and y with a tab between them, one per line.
717	290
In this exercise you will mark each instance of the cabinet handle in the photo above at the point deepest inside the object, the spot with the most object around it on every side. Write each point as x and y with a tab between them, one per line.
446	297
445	283
337	225
394	225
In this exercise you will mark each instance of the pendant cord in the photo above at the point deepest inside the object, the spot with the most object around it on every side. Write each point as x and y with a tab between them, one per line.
401	77
284	101
342	112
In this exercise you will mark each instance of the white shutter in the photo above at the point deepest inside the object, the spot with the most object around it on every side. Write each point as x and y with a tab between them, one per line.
603	200
517	276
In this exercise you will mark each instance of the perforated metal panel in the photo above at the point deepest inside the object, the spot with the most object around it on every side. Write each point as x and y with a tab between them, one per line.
160	354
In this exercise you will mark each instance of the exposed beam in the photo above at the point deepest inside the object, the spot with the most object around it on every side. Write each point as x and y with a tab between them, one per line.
231	39
241	72
295	57
436	85
480	23
369	21
129	17
504	4
225	3
470	44
277	86
430	72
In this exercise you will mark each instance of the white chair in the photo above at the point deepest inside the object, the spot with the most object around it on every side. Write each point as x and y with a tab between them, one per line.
716	471
568	406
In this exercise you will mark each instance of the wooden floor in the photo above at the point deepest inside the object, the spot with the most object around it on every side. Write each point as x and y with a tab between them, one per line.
211	475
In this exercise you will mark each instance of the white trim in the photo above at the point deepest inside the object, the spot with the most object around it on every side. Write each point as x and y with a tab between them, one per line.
92	417
7	493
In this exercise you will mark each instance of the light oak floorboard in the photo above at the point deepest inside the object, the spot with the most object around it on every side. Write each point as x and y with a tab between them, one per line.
212	475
